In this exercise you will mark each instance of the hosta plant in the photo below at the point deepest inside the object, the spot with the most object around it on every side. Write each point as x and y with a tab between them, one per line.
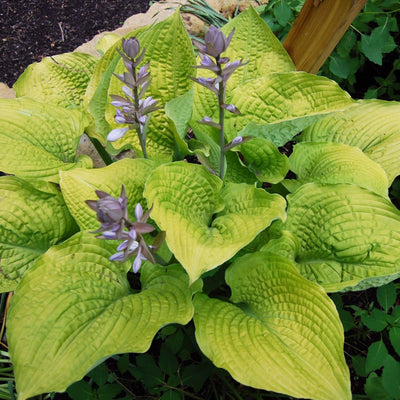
211	138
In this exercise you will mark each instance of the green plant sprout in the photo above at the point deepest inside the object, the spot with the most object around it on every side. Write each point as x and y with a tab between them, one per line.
249	254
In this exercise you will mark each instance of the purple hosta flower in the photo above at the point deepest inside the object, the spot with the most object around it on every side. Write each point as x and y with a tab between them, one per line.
215	42
111	213
237	141
117	134
231	108
208	121
134	108
134	243
131	47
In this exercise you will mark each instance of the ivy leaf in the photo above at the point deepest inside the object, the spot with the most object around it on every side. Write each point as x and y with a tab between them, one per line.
269	337
374	388
376	320
387	296
342	67
346	44
282	12
377	353
378	42
391	377
394	336
75	307
37	140
199	216
33	218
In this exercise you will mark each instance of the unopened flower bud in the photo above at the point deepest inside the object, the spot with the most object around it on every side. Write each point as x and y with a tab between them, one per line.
117	134
131	47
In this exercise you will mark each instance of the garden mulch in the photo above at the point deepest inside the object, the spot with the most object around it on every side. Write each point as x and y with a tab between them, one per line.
33	29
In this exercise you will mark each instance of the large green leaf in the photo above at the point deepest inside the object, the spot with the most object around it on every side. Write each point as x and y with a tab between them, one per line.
371	125
264	159
170	52
337	163
204	223
75	307
96	96
37	139
33	218
282	333
253	41
60	79
342	236
281	105
79	185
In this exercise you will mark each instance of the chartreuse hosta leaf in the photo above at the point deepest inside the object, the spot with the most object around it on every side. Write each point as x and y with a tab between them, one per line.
60	79
33	217
342	236
38	139
281	332
337	163
206	224
253	41
371	125
170	52
96	97
80	184
75	307
264	159
280	105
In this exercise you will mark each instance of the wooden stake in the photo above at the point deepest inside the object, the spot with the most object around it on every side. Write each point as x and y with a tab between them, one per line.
317	30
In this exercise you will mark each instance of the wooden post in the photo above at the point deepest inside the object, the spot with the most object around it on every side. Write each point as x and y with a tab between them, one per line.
317	30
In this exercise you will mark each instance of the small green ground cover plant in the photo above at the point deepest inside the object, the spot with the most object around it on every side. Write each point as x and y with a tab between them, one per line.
366	61
249	254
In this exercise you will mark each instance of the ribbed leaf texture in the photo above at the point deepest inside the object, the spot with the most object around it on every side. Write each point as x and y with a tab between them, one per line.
170	52
33	218
60	79
265	160
280	333
80	185
371	125
337	163
75	307
281	105
37	139
206	224
341	236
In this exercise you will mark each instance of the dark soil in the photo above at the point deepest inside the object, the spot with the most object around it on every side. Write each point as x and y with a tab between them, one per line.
33	29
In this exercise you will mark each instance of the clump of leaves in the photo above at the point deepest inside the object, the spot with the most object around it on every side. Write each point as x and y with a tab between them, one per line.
376	325
248	255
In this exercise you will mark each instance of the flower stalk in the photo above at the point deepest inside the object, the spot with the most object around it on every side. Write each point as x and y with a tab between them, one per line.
216	43
112	214
133	109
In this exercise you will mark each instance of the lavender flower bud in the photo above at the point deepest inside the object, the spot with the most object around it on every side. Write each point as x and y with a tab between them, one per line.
131	47
117	134
216	41
231	108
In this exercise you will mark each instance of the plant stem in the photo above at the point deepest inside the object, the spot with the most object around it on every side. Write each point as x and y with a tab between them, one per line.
221	101
142	138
